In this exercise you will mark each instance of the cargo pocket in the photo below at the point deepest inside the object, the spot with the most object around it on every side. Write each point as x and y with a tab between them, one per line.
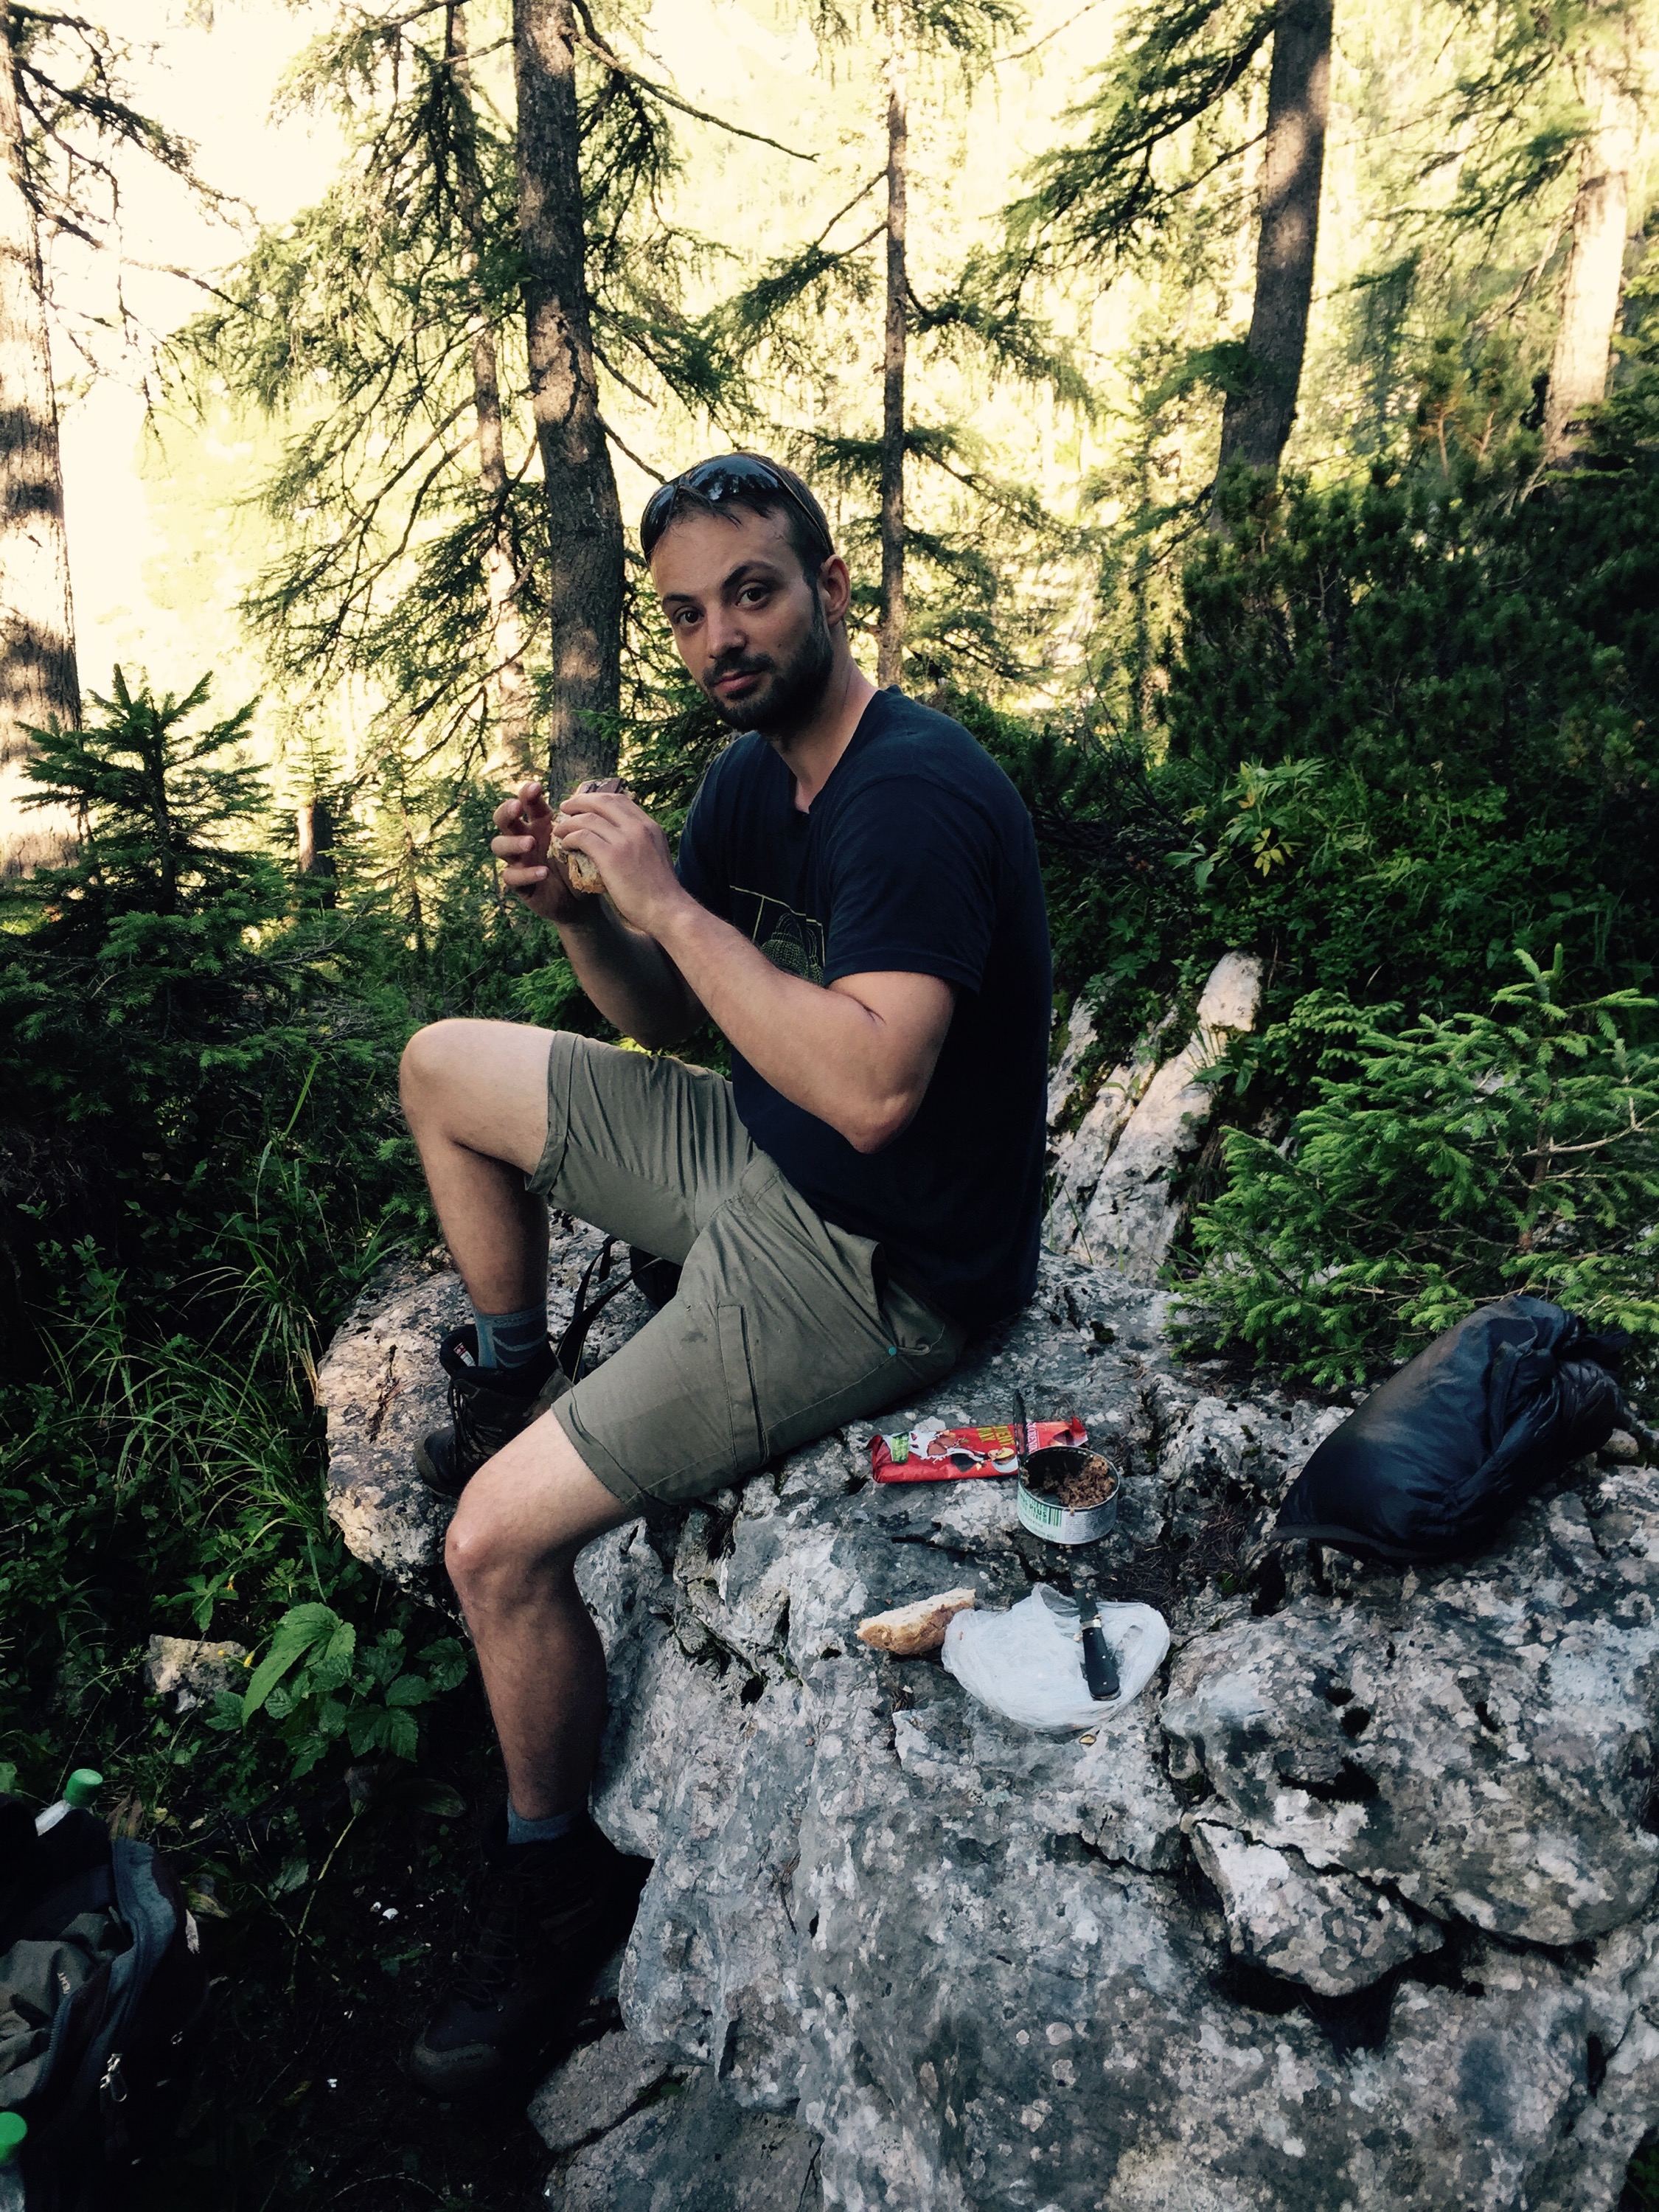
748	1443
928	1340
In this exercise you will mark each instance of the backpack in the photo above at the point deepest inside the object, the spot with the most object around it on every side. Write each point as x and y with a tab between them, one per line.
102	1998
1433	1462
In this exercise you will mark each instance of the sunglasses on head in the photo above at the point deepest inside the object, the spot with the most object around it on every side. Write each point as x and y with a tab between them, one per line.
736	476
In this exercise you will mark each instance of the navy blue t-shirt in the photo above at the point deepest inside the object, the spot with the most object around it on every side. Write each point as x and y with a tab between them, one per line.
916	856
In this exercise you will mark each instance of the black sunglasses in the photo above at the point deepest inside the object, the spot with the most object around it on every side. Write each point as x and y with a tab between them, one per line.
734	476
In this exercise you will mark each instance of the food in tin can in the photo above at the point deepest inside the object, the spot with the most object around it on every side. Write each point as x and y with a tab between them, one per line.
1078	1481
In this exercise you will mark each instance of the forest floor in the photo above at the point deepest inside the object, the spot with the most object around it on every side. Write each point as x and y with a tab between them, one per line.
318	1991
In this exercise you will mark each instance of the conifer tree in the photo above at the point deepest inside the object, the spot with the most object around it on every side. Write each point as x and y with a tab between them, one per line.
1552	117
773	329
1261	404
1107	199
511	750
584	516
62	108
432	332
1594	282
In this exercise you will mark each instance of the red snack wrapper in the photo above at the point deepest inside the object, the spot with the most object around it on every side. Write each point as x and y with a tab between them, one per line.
929	1455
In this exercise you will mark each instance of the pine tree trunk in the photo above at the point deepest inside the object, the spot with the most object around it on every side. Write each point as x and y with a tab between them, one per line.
509	757
1596	268
314	842
584	517
890	647
1257	419
39	683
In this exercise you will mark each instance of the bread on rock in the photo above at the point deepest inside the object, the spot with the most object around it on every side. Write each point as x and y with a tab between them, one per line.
910	1629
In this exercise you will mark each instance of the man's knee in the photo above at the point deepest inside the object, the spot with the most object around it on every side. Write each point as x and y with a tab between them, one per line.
431	1059
490	1553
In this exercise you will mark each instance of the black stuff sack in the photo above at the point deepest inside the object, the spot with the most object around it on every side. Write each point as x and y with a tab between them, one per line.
1432	1463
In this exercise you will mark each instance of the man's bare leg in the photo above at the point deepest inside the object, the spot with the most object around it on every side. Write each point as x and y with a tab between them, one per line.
475	1095
544	1911
512	1554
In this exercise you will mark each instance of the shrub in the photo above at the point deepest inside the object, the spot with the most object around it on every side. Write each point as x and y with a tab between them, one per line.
1455	1159
1416	723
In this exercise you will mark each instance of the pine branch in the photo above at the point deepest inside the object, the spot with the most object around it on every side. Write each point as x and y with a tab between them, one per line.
595	45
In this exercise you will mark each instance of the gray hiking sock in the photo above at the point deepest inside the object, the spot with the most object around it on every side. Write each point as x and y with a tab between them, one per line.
521	1831
512	1339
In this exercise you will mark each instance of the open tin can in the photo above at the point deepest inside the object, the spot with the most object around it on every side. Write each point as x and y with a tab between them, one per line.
1047	1479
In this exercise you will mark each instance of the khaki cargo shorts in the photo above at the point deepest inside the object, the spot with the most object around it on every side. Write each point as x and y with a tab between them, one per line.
783	1327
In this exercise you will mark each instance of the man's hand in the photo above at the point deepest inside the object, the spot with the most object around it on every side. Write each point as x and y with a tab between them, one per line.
628	850
524	823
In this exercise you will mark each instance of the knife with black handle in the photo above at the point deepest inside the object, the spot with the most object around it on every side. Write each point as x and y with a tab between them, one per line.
1099	1662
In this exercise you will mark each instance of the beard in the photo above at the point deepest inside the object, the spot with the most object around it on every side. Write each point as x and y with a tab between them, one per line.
788	702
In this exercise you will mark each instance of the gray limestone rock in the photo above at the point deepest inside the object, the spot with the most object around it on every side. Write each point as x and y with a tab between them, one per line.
1478	1741
382	1388
1062	1081
693	2149
1080	1155
1132	1218
597	2087
1327	1931
188	1671
1360	1909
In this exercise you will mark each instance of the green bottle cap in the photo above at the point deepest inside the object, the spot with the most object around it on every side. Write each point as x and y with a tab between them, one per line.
82	1786
13	2129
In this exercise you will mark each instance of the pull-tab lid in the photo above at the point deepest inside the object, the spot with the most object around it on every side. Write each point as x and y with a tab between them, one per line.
13	2129
82	1787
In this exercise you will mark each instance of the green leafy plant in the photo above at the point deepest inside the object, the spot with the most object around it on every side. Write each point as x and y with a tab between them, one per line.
317	1684
1453	1160
1412	724
1265	814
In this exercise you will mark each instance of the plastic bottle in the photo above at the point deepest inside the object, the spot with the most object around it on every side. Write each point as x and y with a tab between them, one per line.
79	1795
13	2129
70	1837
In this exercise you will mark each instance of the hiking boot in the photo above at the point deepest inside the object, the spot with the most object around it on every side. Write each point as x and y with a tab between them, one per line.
488	1407
539	1921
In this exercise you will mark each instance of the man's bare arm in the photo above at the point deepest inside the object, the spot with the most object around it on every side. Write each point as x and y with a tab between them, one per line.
859	1055
627	974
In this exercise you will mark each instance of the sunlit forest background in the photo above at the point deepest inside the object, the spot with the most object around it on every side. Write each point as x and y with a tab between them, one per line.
1244	416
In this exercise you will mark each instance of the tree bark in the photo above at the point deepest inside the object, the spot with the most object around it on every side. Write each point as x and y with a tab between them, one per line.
315	838
584	517
1595	266
890	646
509	756
1257	418
39	681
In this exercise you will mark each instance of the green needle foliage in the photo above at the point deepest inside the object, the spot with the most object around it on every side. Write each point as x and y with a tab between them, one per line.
1415	722
199	1164
1108	195
1453	1160
157	805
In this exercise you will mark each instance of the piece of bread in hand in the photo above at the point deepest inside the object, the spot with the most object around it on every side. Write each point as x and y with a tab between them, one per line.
909	1629
583	875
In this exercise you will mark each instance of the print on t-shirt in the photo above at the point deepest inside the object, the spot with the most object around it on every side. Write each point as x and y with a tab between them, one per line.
792	941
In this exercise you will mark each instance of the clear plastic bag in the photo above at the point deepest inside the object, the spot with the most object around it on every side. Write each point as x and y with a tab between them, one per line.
1027	1663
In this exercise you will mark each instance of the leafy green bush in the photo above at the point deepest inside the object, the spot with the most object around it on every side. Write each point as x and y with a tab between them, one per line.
168	1486
1452	1160
316	1681
1415	722
201	1162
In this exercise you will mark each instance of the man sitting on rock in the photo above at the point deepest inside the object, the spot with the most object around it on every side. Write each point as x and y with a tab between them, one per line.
857	908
